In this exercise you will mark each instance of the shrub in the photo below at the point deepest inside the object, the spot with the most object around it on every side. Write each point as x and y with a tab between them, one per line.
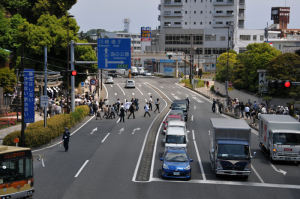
36	135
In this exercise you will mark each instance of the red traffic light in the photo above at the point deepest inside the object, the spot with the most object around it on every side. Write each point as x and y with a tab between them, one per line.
74	73
287	84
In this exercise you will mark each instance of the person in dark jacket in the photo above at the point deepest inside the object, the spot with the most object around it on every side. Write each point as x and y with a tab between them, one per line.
131	110
66	139
213	108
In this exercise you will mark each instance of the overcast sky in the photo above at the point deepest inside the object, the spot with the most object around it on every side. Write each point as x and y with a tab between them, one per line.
109	14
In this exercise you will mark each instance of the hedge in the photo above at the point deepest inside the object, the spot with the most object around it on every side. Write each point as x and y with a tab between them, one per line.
36	135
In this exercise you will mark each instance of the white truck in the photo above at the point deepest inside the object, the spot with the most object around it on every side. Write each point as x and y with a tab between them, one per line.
134	71
230	152
279	136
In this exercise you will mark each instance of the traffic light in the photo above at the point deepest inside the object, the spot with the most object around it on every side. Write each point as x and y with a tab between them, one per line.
273	84
73	72
287	84
279	84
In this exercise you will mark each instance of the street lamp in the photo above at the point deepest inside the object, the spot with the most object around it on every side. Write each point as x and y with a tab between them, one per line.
227	65
68	61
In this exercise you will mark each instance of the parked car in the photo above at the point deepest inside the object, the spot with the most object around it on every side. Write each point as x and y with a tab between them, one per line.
109	80
176	164
181	105
130	83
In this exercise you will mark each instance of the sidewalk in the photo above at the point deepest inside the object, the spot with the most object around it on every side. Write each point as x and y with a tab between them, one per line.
8	130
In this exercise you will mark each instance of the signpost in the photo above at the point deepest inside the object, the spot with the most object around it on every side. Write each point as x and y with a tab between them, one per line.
114	53
28	95
93	81
44	101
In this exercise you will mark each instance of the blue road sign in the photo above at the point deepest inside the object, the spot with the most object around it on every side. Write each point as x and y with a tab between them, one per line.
114	53
82	84
28	95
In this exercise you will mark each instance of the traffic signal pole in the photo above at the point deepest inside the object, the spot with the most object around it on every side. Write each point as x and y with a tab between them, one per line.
72	78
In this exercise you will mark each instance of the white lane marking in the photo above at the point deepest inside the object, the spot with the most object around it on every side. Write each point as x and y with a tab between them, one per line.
102	141
118	120
193	134
192	118
121	130
198	156
111	85
116	94
172	94
81	168
198	100
105	91
144	143
194	93
140	85
160	91
48	147
155	147
134	130
43	164
121	89
278	170
256	173
139	90
93	131
232	183
195	107
133	94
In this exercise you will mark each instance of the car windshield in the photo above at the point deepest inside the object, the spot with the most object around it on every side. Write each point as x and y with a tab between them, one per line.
179	106
286	138
176	157
176	139
130	82
176	112
229	151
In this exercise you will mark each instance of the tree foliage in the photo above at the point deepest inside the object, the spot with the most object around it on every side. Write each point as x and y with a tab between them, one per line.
221	73
7	79
257	56
285	67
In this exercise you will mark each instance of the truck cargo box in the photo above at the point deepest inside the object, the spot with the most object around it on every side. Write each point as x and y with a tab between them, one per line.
230	129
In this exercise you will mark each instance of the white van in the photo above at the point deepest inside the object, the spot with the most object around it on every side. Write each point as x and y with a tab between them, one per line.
176	136
141	70
134	70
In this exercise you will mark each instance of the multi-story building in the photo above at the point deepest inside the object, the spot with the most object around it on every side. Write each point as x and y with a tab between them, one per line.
205	28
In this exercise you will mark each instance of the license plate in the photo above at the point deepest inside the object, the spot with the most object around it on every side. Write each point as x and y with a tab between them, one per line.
287	149
176	173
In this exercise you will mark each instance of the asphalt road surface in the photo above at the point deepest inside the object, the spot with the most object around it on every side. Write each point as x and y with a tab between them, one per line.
107	158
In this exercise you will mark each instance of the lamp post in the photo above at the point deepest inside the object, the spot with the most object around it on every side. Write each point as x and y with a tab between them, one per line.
68	61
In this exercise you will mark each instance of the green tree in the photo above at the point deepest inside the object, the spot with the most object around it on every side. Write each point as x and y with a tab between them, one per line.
221	72
285	67
7	80
257	56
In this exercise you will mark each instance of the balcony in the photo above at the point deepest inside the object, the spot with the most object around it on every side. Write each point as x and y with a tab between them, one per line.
241	16
158	17
216	25
170	3
159	7
223	14
172	25
223	2
168	14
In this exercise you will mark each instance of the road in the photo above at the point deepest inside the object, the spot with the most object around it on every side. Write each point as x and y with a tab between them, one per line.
109	159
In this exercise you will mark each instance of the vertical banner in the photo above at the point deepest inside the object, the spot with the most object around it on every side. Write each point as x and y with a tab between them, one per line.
28	95
145	34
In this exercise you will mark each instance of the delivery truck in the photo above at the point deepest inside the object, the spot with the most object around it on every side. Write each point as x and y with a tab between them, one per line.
279	136
230	152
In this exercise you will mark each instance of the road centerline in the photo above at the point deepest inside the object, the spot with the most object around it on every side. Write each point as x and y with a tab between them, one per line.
102	141
81	168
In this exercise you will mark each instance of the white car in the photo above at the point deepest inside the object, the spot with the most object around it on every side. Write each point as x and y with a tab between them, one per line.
130	83
109	80
176	136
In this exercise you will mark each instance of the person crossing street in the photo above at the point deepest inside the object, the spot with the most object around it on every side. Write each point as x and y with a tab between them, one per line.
157	105
131	110
146	108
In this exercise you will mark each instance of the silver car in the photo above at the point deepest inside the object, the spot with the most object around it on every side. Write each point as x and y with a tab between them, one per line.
130	84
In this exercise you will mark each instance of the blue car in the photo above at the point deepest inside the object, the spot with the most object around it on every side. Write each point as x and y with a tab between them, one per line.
176	164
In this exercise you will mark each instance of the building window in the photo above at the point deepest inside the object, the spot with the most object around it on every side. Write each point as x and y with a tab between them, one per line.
219	22
185	12
210	37
210	22
185	23
254	37
201	12
194	11
177	1
177	12
222	38
219	11
245	37
198	39
185	1
261	37
194	23
200	22
167	23
195	1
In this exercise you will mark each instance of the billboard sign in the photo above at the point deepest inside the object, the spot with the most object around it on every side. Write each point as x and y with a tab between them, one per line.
145	34
28	95
114	53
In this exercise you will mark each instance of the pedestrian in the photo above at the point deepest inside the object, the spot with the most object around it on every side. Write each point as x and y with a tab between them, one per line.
150	103
136	104
220	105
131	110
66	139
112	114
157	105
95	108
213	108
188	102
146	108
247	111
207	84
122	113
98	114
242	107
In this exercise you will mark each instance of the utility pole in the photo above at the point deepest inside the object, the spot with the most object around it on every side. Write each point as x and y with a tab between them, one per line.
45	86
72	78
68	61
191	58
23	126
227	66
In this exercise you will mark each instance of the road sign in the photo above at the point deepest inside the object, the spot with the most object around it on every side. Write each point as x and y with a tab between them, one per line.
44	101
82	84
114	53
28	95
93	81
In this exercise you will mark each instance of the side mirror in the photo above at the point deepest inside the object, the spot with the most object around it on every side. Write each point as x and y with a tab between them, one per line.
191	160
161	159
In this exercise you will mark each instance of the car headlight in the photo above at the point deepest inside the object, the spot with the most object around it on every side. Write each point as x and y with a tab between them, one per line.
165	166
219	166
188	167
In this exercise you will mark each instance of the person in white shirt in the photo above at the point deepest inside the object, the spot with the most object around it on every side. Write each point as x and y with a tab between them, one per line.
146	108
